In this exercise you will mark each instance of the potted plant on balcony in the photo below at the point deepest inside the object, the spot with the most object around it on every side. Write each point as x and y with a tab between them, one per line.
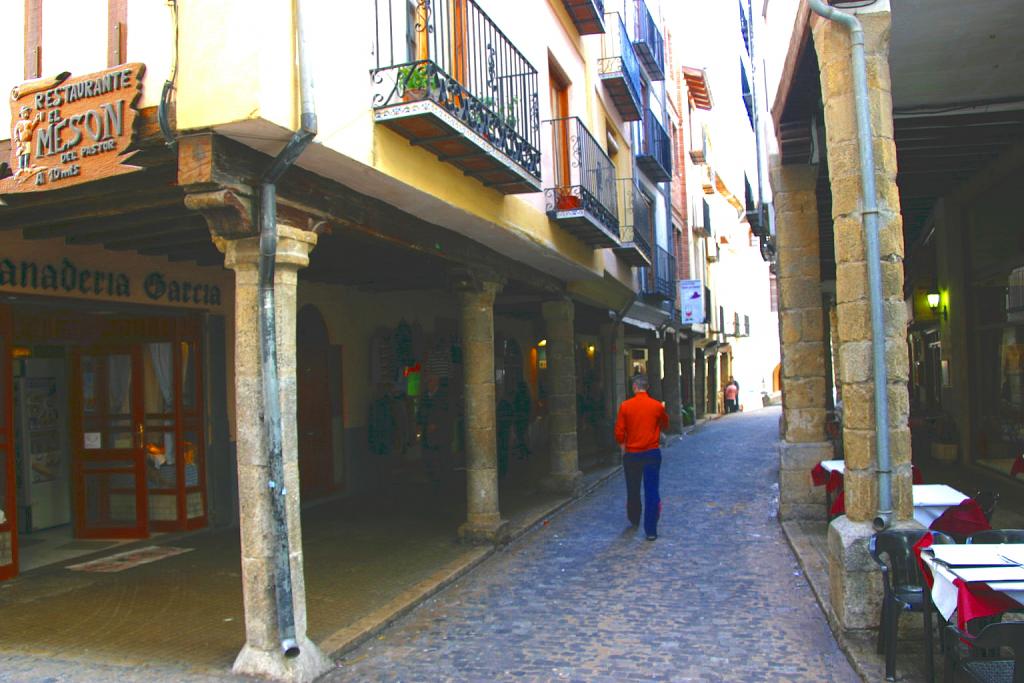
414	81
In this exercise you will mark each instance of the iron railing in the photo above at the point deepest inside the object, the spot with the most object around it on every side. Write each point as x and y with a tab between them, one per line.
659	280
618	55
449	52
636	225
584	175
655	150
650	46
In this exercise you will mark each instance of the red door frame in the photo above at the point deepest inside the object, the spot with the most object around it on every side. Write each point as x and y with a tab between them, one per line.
10	524
80	457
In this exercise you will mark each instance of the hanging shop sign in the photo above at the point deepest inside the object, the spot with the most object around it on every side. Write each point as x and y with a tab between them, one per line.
67	278
66	131
691	299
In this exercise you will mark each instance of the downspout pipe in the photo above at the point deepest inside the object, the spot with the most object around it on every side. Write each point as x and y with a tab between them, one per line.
883	516
271	384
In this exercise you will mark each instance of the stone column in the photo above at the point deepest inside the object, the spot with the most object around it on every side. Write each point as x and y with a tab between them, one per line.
700	384
670	387
654	365
614	373
476	302
852	573
261	655
804	347
565	475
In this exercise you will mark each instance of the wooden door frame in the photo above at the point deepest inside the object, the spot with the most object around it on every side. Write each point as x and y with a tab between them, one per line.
77	432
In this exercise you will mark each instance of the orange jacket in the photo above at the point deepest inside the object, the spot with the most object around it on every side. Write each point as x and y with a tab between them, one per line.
640	422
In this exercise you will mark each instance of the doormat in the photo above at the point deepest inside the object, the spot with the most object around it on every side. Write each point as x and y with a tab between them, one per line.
129	559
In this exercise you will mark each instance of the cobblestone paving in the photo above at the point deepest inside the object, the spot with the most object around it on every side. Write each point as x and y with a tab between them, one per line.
718	597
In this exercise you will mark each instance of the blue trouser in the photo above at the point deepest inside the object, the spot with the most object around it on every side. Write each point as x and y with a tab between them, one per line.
644	466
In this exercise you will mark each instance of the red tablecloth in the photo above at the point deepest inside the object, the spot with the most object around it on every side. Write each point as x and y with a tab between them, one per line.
1018	466
975	600
924	542
835	482
962	520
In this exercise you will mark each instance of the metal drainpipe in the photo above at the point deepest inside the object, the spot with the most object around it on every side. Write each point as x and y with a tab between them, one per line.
268	342
883	516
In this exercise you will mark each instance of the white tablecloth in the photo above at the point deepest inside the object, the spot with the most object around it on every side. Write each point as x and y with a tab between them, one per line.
931	500
834	466
944	593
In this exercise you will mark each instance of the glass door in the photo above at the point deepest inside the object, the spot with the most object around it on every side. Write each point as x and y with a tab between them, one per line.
8	508
108	434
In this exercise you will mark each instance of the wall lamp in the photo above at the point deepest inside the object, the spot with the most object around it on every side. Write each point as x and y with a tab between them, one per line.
933	303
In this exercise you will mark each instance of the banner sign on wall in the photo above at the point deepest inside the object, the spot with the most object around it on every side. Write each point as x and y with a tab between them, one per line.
691	299
66	131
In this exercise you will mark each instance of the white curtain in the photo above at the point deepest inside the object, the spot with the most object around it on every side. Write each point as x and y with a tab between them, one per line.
163	368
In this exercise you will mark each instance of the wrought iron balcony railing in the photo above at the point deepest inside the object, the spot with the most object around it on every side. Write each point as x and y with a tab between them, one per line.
658	281
649	44
588	15
619	69
636	223
654	151
583	199
448	79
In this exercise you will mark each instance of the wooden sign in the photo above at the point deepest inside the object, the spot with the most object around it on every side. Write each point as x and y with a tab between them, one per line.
66	131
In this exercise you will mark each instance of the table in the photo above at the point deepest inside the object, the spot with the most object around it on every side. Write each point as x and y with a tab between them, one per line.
949	590
931	500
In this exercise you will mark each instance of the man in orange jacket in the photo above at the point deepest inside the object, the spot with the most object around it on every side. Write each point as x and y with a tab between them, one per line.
638	430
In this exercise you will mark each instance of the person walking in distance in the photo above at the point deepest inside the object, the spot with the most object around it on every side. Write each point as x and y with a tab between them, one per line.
638	430
732	396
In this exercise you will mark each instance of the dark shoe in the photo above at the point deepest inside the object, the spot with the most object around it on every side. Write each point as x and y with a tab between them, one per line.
652	537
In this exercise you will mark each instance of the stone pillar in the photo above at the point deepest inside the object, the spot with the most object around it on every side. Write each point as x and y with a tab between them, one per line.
670	387
852	574
804	347
614	375
261	655
476	302
700	384
565	475
654	365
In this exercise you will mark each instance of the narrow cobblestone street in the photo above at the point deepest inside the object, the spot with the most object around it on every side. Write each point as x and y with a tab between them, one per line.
718	597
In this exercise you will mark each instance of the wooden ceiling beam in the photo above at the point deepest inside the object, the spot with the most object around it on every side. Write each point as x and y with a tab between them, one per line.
131	225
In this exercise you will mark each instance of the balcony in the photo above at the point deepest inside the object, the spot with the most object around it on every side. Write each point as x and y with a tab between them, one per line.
650	47
636	224
588	15
583	199
654	151
619	69
755	213
449	81
658	281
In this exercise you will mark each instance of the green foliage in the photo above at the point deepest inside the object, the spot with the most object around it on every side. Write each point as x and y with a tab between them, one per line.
415	77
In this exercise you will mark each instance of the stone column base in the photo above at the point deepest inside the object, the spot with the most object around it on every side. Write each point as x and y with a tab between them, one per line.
484	533
571	484
307	667
855	588
799	498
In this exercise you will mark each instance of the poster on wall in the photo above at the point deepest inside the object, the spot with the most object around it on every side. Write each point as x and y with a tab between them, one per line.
41	437
691	300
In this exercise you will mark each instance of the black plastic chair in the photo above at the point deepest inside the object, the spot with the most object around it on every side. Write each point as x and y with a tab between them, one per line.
905	591
997	536
987	500
1008	634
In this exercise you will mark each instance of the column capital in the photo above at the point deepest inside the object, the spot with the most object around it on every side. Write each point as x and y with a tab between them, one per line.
475	281
228	212
293	249
560	309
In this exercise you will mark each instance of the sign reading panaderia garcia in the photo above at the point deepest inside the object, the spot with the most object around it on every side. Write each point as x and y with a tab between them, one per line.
67	131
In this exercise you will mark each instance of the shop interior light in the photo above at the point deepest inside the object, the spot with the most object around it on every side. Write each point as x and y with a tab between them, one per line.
542	343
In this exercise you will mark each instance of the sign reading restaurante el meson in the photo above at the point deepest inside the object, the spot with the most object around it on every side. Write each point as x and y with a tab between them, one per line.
66	131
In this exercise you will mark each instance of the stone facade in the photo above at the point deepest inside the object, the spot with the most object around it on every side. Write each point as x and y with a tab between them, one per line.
802	335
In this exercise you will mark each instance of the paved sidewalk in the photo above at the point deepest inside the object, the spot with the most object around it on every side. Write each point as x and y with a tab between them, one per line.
718	597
